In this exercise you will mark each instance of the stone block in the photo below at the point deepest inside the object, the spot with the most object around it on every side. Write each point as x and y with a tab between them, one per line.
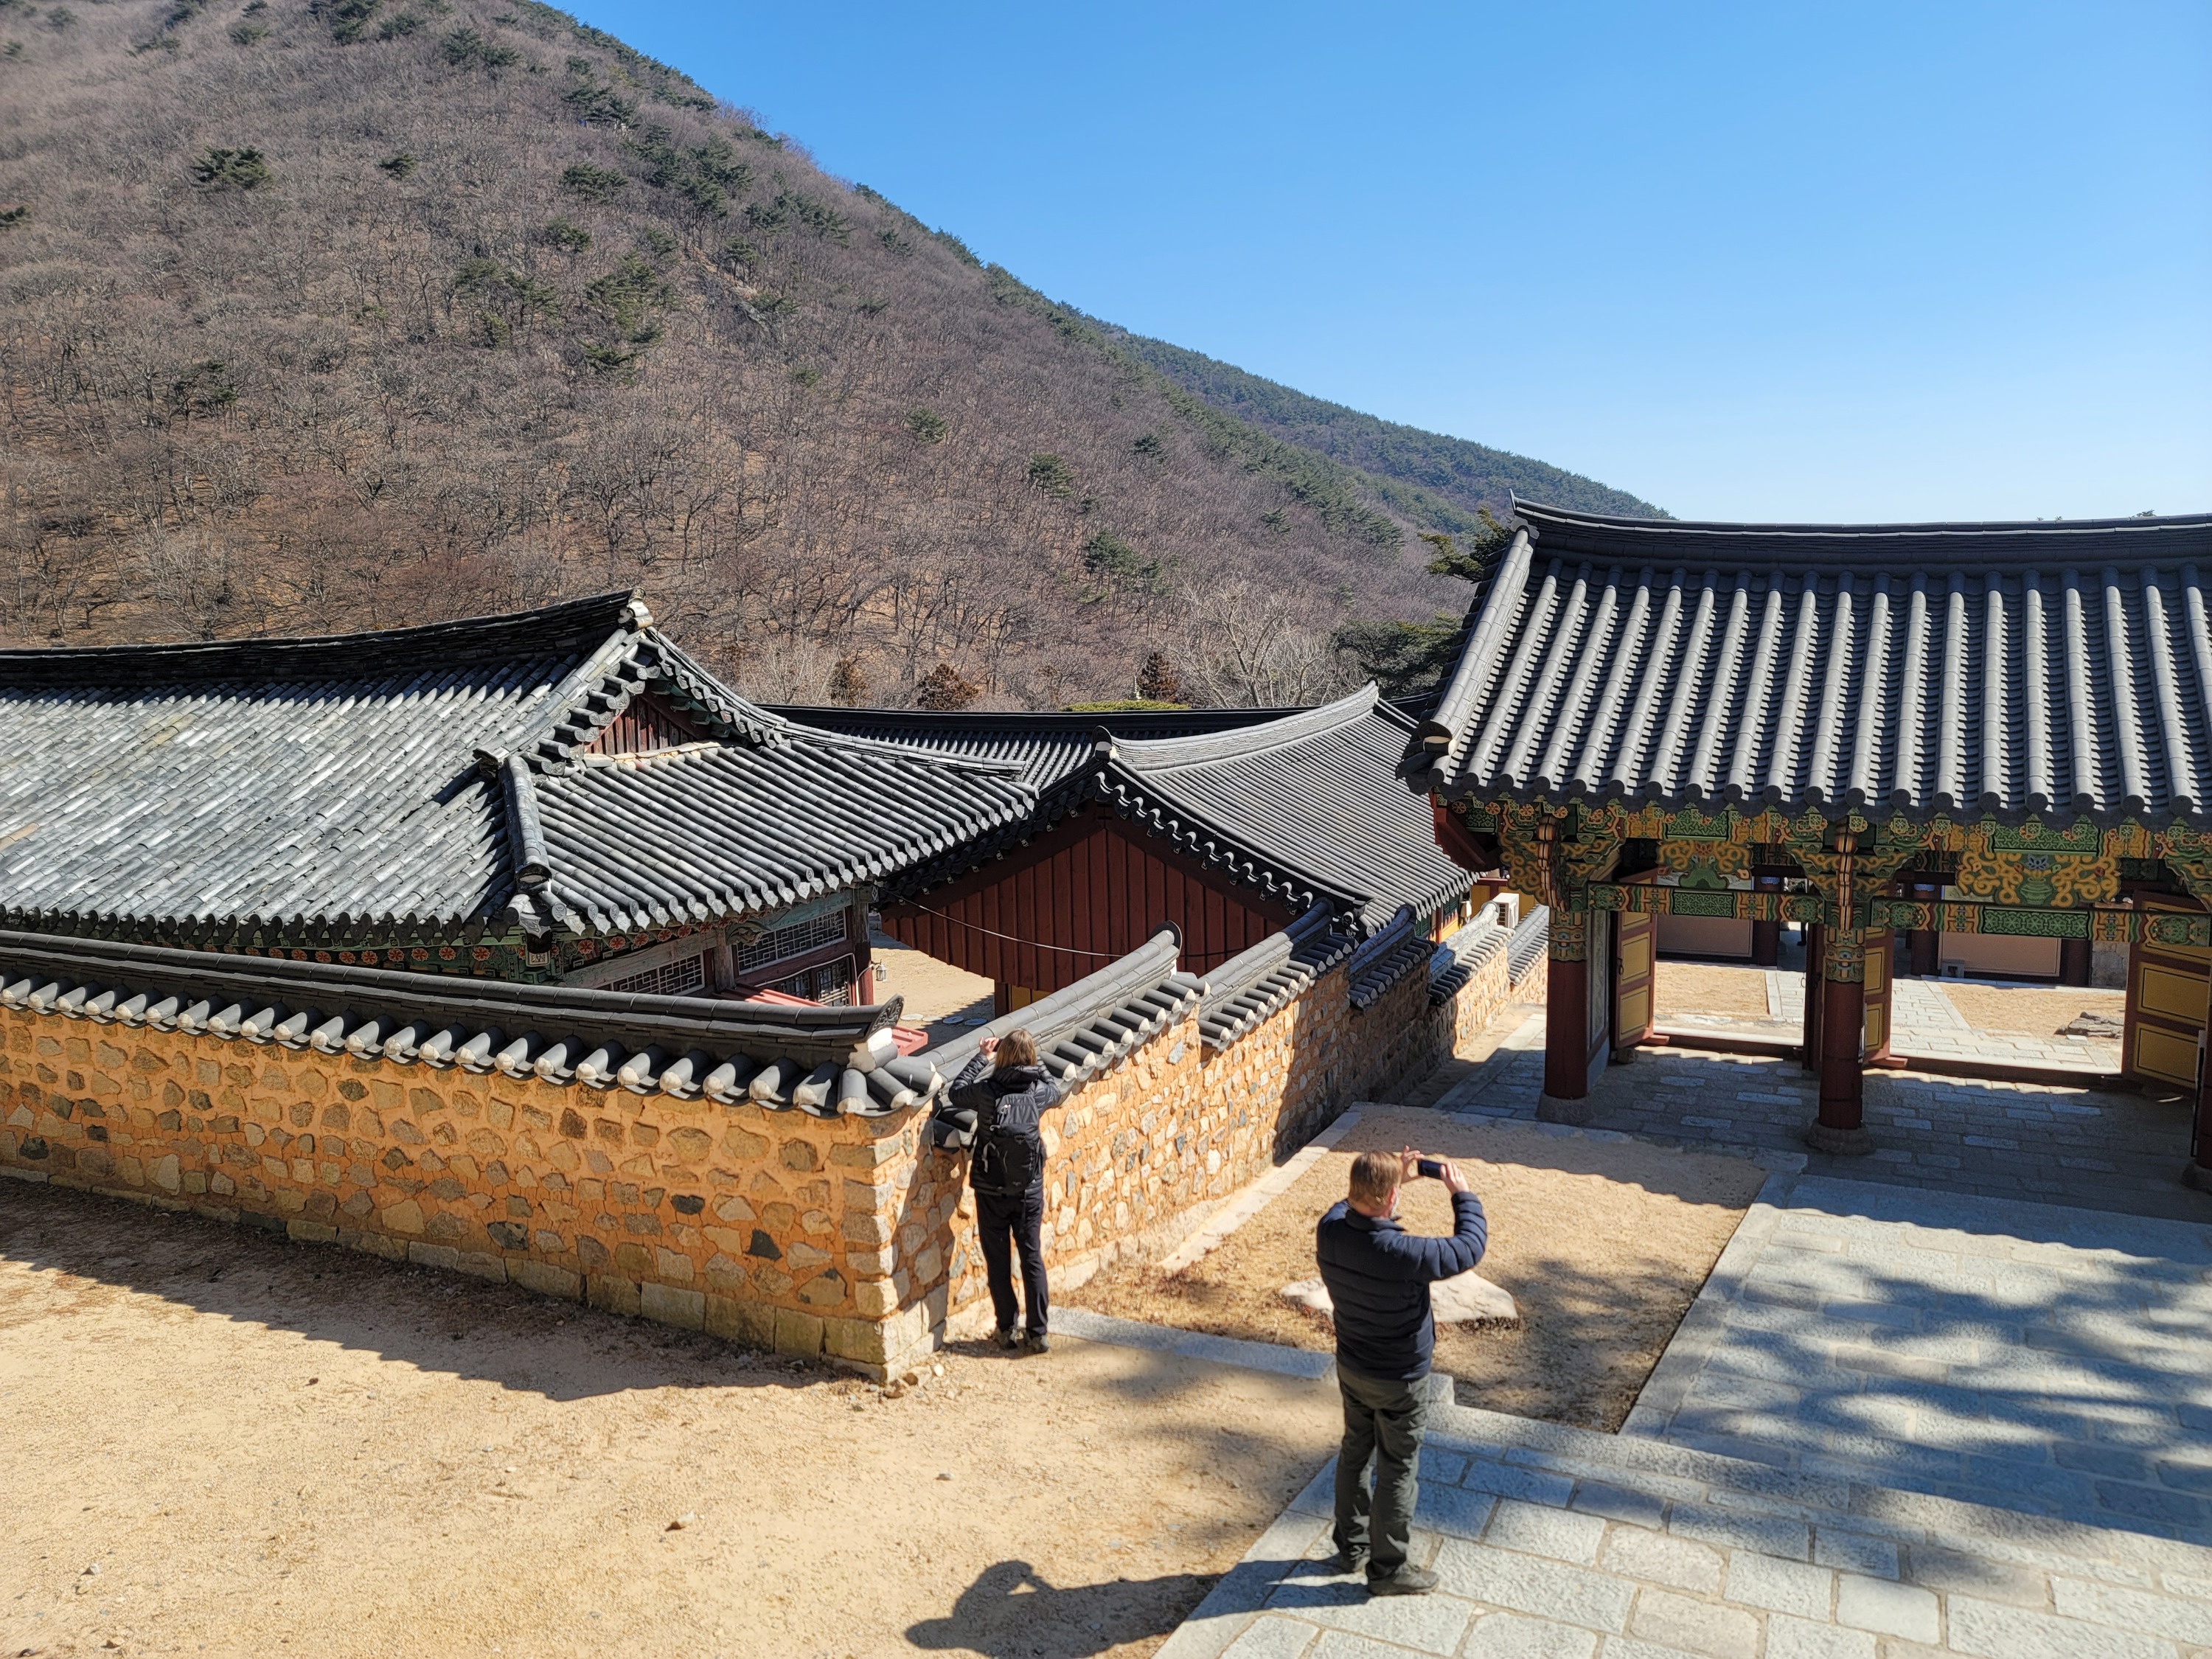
1702	1627
391	1249
1800	1638
2189	1622
669	1306
859	1340
1989	1631
482	1264
611	1293
313	1232
798	1332
752	1323
1791	1587
405	1217
1536	1529
1526	1583
444	1256
546	1279
1876	1558
1659	1558
1509	1636
874	1298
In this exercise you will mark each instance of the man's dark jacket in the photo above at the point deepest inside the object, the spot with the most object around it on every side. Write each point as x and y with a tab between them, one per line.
1016	1097
1378	1275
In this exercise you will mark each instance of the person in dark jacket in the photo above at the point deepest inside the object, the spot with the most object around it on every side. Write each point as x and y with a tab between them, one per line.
1010	1092
1378	1277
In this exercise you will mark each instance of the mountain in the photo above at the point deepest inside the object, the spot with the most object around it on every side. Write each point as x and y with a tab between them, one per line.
324	315
1396	459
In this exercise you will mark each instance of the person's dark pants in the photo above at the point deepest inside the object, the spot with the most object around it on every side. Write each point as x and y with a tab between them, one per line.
1007	1225
1383	1420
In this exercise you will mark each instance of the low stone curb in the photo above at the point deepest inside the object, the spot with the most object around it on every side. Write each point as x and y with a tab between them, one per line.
1272	1357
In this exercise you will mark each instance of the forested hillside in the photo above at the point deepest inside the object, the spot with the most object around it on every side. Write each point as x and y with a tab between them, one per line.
359	312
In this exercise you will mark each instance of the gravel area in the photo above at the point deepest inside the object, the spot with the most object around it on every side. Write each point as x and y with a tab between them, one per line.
1604	1244
223	1443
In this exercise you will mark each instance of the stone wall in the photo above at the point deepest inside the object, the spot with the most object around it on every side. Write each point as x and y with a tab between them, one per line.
844	1237
774	1228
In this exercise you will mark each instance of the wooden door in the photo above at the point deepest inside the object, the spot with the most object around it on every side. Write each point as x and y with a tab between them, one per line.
1635	938
1880	943
2167	985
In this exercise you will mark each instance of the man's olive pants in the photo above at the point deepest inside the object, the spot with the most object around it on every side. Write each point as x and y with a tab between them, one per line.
1385	1421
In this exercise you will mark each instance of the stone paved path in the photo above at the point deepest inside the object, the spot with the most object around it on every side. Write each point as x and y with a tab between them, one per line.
2058	1361
1556	1543
2097	1149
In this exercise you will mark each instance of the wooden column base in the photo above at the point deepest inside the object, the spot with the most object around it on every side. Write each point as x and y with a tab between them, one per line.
1566	1033
1841	1127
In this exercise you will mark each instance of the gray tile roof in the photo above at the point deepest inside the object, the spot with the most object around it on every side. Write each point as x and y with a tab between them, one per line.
2011	669
1386	958
431	782
1251	988
1304	806
826	1061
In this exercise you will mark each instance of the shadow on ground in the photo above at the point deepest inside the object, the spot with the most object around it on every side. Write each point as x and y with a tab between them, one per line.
1011	1612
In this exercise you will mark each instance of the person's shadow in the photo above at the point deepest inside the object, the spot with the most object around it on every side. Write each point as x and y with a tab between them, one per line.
1011	1613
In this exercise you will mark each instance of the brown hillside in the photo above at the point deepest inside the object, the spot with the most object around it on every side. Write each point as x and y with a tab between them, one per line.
317	318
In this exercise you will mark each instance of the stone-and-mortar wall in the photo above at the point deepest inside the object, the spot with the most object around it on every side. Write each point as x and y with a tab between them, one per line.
843	1237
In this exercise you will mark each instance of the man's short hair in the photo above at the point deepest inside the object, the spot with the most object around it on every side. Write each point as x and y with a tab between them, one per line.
1374	1176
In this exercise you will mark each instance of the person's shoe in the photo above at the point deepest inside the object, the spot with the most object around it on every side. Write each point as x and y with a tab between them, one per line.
1407	1581
1034	1342
1003	1338
1351	1563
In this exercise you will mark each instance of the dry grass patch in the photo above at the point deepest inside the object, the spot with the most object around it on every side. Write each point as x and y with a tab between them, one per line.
1710	987
1604	1244
2029	1010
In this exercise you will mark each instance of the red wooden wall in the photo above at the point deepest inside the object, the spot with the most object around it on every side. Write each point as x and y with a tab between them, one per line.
646	724
1096	887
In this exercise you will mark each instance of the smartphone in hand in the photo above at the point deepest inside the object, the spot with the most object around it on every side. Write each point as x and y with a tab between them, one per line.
1429	1170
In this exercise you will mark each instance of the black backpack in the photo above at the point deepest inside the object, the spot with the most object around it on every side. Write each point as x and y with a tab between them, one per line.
1005	1161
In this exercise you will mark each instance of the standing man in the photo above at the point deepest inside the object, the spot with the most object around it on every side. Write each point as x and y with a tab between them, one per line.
1009	1091
1378	1277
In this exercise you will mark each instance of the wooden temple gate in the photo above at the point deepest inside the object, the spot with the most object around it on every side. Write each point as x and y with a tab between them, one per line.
1606	872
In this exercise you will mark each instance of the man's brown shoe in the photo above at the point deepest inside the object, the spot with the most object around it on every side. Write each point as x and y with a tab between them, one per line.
1407	1581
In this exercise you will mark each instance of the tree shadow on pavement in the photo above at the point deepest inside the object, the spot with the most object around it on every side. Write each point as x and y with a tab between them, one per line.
1011	1612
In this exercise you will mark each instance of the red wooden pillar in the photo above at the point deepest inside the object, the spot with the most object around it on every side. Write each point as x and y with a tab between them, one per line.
1841	1125
1566	1022
1767	936
2075	957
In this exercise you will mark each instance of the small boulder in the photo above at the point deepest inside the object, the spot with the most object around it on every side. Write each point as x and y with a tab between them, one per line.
1467	1299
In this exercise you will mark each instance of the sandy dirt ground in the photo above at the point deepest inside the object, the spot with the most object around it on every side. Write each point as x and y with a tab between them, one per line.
1603	1244
221	1443
1710	987
1502	1024
2029	1010
943	999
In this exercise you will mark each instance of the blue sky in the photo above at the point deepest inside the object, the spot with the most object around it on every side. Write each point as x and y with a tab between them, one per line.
1778	260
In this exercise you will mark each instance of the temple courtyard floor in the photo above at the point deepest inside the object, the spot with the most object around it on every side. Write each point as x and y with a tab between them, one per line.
1953	1399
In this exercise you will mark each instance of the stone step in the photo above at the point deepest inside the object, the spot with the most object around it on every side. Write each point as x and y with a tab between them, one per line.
1557	1540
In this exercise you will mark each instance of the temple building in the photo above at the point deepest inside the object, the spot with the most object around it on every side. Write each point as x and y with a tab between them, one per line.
1230	824
1989	731
562	796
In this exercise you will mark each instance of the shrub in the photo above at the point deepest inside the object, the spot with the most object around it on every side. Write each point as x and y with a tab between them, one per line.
655	243
739	254
399	166
398	24
895	243
348	20
465	47
1111	560
628	294
565	235
848	687
927	425
593	100
59	18
509	299
244	35
11	217
203	389
809	376
232	169
793	207
960	250
1150	444
944	688
593	184
1407	660
1051	475
1159	680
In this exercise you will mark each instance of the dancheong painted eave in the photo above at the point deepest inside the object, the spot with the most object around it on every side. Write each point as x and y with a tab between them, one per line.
2014	671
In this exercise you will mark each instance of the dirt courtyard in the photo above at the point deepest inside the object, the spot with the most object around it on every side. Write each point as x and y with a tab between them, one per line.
1604	1245
221	1443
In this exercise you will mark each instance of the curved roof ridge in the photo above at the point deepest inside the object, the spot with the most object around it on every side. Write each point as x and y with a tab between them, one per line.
830	738
572	625
1565	536
1142	755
